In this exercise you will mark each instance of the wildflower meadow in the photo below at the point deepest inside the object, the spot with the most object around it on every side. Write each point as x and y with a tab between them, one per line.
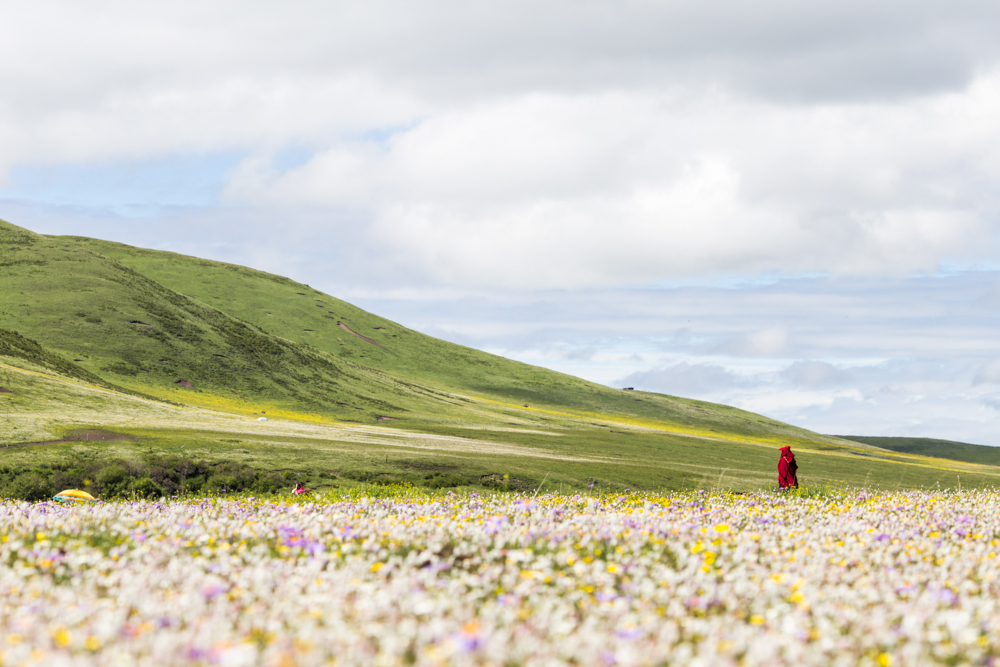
696	578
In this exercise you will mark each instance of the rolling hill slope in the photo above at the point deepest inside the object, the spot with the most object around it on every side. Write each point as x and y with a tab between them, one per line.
116	324
940	449
217	345
145	319
299	313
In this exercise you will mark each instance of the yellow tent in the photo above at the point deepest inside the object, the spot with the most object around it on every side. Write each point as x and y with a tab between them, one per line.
74	496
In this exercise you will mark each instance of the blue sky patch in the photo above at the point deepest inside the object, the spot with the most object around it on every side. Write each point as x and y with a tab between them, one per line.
127	188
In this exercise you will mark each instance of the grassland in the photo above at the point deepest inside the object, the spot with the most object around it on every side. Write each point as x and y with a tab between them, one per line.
934	447
105	333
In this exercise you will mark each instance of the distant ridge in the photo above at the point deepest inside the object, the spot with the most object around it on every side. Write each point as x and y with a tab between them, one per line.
940	449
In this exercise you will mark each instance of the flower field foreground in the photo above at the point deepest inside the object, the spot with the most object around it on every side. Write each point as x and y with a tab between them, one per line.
636	579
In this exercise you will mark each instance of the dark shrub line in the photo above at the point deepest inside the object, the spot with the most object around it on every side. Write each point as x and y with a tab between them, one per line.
151	478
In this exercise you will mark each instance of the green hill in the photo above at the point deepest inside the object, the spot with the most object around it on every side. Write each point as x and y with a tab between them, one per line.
182	355
941	449
299	313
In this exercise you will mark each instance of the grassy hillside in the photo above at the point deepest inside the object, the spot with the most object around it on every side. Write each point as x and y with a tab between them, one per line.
145	320
942	449
299	313
113	323
183	355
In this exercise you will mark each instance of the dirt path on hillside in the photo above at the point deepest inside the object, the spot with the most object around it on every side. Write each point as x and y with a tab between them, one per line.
84	435
35	444
367	340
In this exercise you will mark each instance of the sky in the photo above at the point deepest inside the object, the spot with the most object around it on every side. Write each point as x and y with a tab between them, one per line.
789	207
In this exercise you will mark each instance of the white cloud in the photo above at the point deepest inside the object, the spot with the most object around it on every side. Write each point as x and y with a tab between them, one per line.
637	187
769	342
988	373
813	374
237	112
685	379
548	144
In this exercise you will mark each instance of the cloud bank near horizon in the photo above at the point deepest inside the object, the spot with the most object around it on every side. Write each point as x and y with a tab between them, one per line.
869	356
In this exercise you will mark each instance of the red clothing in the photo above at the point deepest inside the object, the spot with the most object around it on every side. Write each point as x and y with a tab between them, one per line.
786	469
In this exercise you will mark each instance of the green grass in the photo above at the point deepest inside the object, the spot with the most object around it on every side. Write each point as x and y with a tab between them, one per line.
105	331
566	454
942	449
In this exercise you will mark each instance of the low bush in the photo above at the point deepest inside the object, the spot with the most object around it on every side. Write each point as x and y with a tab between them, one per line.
443	480
113	481
500	482
149	477
147	488
30	486
263	485
222	484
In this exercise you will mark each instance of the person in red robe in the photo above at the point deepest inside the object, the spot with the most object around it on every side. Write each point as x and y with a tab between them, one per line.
786	469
